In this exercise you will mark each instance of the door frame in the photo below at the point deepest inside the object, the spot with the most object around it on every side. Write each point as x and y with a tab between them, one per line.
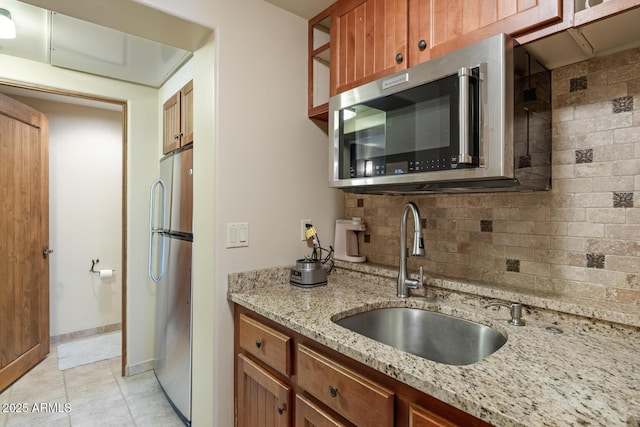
123	105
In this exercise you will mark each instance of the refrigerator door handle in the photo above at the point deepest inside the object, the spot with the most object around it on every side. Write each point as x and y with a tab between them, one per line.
152	231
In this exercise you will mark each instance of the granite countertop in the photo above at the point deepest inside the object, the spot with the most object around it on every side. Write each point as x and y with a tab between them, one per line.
587	375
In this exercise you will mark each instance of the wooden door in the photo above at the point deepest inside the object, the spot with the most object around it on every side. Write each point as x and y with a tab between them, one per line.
458	23
24	231
367	37
263	400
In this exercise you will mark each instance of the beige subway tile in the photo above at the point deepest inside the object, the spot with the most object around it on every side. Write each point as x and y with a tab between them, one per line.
562	201
583	229
606	215
535	268
626	135
633	281
566	171
622	231
549	228
623	73
512	214
606	246
597	93
519	227
592	109
575	127
619	152
568	214
567	272
596	169
585	290
623	296
505	239
538	242
521	253
568	243
550	256
541	213
633	248
627	264
551	284
563	157
564	114
576	259
526	282
636	113
614	121
614	183
594	200
626	167
633	215
606	278
573	185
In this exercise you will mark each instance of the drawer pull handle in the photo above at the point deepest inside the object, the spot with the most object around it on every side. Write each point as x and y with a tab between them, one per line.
280	410
258	343
333	391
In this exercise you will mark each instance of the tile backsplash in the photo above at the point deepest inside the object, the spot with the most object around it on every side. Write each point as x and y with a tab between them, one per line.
581	238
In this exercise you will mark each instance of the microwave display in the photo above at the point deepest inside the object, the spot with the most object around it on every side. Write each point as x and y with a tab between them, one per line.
412	131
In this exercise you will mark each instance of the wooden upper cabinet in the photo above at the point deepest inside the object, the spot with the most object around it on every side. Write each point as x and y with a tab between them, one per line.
178	120
459	23
368	41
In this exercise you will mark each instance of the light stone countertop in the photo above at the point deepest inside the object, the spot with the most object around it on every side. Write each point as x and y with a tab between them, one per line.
587	376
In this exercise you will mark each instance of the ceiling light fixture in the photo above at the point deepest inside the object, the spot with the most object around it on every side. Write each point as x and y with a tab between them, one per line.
7	26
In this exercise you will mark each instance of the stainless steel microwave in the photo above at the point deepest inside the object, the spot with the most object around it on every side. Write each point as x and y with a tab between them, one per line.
477	119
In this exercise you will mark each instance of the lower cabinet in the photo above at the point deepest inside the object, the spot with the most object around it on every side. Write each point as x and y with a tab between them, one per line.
263	400
285	379
308	414
420	417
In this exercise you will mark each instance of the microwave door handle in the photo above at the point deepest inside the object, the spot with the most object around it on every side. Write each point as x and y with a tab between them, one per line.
464	156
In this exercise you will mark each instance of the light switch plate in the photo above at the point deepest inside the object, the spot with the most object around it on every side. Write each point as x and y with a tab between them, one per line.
237	234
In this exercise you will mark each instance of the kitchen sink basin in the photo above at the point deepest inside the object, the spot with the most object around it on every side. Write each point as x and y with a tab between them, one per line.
434	336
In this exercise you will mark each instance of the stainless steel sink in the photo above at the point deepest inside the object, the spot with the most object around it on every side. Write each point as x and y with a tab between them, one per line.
434	336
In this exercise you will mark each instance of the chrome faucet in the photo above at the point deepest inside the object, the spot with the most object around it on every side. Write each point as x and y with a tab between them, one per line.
404	282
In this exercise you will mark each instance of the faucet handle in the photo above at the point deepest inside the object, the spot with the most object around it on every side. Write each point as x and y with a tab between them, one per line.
515	310
421	279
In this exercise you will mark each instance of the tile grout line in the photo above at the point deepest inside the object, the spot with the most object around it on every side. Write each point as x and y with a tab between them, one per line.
126	401
66	392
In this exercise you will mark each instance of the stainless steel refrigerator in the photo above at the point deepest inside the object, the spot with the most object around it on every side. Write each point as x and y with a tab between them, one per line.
170	242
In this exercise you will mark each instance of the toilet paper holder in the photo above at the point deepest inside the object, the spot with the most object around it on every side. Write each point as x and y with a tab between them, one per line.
93	264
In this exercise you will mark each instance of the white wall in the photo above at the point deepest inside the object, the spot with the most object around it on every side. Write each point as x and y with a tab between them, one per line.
142	165
258	159
85	211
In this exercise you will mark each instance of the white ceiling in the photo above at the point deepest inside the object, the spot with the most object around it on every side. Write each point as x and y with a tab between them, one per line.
306	9
63	41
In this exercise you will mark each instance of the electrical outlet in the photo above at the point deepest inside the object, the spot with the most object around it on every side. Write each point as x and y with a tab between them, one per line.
303	227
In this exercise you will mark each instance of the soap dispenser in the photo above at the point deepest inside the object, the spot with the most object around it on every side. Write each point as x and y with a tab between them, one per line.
346	242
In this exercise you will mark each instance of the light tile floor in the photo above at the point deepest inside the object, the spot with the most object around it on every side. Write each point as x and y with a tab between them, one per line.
89	395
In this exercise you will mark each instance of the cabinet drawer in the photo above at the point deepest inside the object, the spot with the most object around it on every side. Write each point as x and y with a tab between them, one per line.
308	414
265	343
356	398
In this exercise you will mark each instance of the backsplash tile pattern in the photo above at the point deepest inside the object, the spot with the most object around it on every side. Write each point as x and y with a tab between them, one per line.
582	238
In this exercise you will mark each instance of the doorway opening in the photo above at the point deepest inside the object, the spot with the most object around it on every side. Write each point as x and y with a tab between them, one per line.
86	196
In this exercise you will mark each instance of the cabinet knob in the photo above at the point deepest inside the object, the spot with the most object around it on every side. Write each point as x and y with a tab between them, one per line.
333	391
422	44
258	343
399	58
176	136
280	410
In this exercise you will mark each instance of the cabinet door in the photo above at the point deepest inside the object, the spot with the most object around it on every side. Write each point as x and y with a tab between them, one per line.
458	23
308	414
186	114
418	49
171	124
420	417
263	400
369	40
